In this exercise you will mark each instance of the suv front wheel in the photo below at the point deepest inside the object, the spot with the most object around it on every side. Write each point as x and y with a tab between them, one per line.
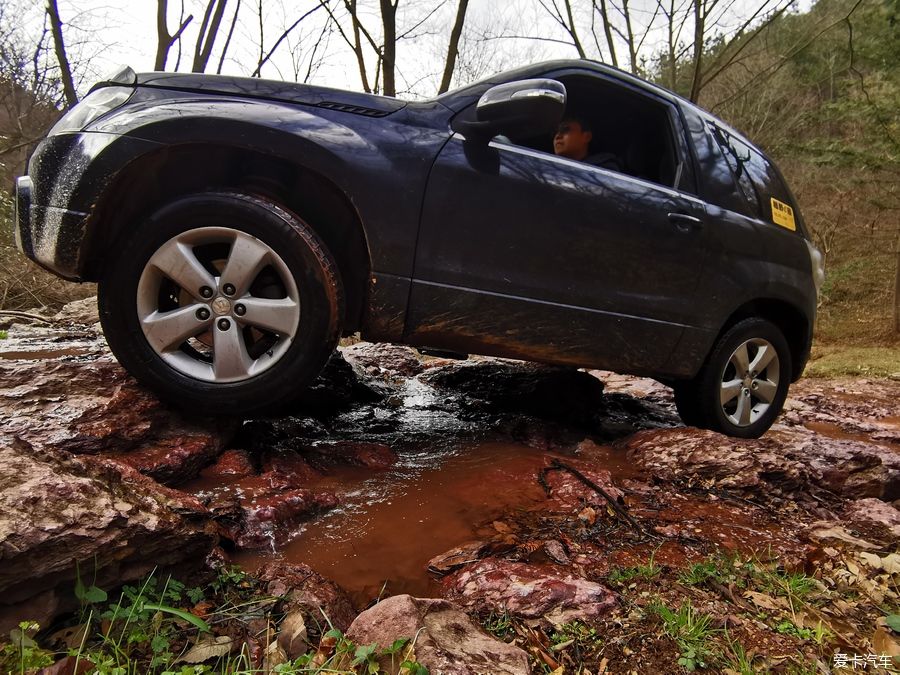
223	303
743	385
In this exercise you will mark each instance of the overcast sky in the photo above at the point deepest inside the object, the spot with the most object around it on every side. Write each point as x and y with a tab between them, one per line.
105	33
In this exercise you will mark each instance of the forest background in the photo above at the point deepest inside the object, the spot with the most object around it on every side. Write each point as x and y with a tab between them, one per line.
816	86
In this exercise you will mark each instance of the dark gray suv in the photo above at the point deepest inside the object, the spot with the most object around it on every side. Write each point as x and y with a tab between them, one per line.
238	227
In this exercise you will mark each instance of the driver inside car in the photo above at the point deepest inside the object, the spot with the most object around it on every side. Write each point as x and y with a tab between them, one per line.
573	140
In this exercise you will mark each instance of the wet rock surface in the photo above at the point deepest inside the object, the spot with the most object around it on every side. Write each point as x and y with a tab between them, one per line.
89	405
529	591
447	641
502	486
56	509
301	589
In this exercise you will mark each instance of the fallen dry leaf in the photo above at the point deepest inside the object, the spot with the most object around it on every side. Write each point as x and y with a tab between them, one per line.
274	656
70	665
292	637
765	601
884	643
71	636
889	563
208	648
824	532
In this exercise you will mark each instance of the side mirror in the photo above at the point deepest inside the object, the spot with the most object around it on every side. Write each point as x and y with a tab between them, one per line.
522	108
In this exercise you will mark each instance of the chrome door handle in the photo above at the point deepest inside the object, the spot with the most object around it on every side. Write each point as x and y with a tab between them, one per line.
684	222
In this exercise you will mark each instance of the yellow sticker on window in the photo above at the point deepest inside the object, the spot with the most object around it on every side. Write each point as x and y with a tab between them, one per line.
783	215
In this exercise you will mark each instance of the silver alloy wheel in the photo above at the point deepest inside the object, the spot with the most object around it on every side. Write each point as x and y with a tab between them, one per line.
749	382
199	311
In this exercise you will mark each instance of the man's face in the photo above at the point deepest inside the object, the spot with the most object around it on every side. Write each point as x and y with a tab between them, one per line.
571	140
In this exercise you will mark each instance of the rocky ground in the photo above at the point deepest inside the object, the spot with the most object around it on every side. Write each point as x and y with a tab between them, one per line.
605	537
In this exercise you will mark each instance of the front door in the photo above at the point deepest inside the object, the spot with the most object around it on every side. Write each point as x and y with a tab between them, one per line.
522	253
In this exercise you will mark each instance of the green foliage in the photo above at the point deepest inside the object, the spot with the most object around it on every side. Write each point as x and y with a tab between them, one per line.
622	575
229	577
690	630
345	656
499	624
791	585
577	634
4	334
737	658
698	573
87	595
893	622
23	653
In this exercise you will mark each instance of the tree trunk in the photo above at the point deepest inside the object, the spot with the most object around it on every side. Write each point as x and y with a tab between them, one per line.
573	32
228	38
357	46
164	41
607	29
208	32
699	30
389	51
453	48
632	50
60	48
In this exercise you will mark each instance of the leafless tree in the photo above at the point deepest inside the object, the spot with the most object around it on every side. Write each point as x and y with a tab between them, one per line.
209	30
164	40
237	11
62	59
564	18
281	38
453	46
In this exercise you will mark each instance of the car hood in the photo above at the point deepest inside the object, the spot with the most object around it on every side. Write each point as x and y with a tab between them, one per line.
272	90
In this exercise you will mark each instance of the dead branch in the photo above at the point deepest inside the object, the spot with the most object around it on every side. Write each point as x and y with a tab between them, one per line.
556	465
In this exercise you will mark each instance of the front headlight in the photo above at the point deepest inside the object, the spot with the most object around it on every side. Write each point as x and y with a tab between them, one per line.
93	105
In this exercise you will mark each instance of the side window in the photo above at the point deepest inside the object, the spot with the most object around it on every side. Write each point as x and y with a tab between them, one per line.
718	185
632	128
759	180
739	157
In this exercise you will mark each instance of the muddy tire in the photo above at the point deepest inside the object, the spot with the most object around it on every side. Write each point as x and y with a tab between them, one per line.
744	383
223	303
687	402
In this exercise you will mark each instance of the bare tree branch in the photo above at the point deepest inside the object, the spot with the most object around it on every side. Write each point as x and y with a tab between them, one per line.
282	38
164	41
209	29
63	60
453	47
234	19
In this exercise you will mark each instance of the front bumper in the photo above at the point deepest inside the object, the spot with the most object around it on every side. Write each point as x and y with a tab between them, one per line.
50	236
21	229
67	175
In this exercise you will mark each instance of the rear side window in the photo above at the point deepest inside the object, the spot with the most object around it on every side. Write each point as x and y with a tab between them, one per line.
739	156
758	180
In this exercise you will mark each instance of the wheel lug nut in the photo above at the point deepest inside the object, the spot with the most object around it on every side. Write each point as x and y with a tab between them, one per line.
203	314
240	310
228	289
224	324
206	292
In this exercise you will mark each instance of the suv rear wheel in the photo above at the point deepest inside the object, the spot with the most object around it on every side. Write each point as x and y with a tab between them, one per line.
744	383
223	303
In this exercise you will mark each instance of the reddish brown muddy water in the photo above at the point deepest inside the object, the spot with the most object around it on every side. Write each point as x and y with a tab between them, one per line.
391	523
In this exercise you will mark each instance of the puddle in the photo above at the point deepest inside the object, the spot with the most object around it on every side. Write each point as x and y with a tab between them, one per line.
390	525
